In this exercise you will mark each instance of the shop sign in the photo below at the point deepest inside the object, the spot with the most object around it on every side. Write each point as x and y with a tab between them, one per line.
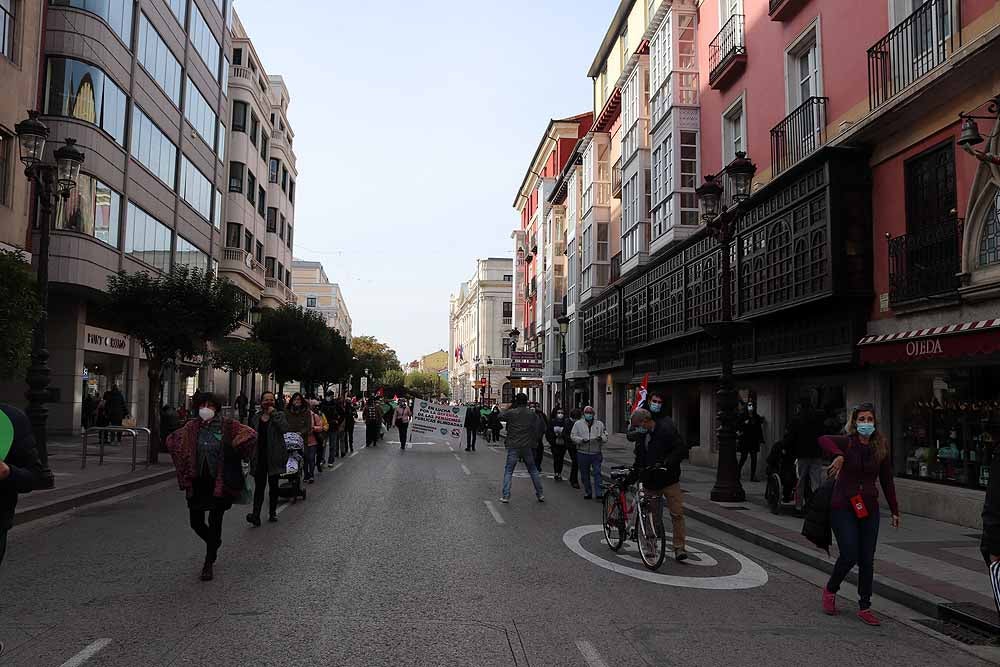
526	364
929	347
104	340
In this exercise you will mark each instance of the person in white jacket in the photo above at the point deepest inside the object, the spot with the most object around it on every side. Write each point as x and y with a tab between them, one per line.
589	435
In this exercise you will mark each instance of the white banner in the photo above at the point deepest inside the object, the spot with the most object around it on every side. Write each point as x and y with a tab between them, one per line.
441	421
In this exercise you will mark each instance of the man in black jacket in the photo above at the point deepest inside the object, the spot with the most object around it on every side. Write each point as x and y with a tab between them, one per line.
802	436
334	413
471	424
659	445
20	469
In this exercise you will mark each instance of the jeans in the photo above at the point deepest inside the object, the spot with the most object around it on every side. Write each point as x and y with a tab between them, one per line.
333	447
539	454
856	539
588	461
211	533
470	438
260	480
311	461
558	456
512	456
402	434
811	469
372	432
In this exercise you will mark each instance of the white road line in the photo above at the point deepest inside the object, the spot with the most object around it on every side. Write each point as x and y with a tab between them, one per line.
590	653
285	505
450	448
354	453
493	511
337	466
466	470
87	653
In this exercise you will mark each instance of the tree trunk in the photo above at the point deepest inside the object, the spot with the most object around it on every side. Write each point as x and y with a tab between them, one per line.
155	375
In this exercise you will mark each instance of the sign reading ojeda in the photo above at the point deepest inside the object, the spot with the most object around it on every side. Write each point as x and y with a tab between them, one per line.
924	348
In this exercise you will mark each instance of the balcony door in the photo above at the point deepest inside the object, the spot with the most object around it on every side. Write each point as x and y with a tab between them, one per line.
928	28
930	188
804	80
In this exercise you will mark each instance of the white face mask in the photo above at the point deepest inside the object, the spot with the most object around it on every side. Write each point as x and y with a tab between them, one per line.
206	414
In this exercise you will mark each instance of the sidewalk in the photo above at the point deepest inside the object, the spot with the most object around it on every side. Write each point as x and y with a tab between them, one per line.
927	565
76	486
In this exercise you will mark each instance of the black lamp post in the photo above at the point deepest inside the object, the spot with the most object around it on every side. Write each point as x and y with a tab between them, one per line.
721	225
49	180
563	322
489	379
476	393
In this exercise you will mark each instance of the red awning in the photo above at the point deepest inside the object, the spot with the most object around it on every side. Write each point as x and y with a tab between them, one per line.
948	342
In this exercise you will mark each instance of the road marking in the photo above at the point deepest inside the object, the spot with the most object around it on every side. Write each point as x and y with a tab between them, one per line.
590	653
465	470
337	466
493	510
87	653
450	448
285	505
354	453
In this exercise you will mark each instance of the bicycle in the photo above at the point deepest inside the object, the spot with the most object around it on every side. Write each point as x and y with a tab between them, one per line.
648	532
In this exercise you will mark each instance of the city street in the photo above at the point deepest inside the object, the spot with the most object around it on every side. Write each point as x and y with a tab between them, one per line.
408	558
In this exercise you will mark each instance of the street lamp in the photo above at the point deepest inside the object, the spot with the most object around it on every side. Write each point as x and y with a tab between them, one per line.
721	224
50	181
970	133
513	334
475	380
563	322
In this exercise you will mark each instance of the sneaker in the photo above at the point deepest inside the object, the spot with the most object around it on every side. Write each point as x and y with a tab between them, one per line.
253	519
829	602
505	500
587	496
680	555
541	499
868	617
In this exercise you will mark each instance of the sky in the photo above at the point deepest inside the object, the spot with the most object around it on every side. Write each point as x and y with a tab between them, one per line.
415	122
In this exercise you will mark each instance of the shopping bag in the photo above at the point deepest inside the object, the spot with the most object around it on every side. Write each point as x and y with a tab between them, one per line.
382	428
246	495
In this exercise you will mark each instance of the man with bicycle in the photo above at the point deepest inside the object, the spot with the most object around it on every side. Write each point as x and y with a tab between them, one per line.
659	446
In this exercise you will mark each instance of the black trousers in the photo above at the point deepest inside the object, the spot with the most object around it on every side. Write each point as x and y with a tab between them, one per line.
470	438
558	454
262	479
372	432
402	434
753	463
539	454
211	532
349	430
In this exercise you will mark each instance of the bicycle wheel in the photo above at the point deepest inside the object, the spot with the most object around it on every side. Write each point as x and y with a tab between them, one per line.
652	546
614	520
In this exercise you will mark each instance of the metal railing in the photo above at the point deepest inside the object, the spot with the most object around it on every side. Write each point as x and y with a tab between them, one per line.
799	134
101	430
507	321
727	45
920	43
925	262
616	179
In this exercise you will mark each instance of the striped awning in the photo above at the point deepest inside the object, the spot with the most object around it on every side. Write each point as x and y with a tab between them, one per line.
949	341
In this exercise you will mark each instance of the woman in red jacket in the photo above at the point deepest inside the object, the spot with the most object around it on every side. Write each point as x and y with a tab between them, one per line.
859	459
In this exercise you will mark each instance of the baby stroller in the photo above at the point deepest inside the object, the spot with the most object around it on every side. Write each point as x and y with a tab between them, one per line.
781	478
290	482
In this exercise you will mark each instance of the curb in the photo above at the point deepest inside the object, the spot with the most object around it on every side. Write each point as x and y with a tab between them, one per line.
88	497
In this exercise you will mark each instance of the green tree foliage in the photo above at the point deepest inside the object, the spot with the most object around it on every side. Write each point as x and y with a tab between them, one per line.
242	356
330	361
376	356
20	308
427	385
393	383
295	338
172	315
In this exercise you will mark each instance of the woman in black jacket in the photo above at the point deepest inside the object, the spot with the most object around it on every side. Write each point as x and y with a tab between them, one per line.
558	432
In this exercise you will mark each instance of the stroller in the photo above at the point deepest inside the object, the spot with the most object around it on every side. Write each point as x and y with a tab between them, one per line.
290	482
781	478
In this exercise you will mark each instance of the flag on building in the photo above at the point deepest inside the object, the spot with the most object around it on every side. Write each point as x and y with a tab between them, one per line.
640	394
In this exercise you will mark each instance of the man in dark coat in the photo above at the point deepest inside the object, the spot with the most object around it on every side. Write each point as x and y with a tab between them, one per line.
20	468
471	424
802	436
659	446
116	408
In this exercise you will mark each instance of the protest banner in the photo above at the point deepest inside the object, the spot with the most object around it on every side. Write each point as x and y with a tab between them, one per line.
437	421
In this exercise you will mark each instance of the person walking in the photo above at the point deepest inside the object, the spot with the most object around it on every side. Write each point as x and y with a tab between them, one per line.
560	428
493	423
402	417
472	418
373	422
331	409
20	468
859	459
116	408
269	458
802	437
299	417
589	436
242	406
207	454
347	425
314	442
751	437
523	429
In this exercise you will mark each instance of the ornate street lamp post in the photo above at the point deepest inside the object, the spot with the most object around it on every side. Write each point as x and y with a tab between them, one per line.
721	225
49	180
563	322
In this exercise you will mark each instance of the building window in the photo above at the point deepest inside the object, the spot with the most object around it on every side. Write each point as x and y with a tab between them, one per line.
802	67
220	141
272	219
260	200
247	241
239	116
508	309
989	242
199	113
234	235
92	208
281	272
116	13
259	252
284	179
195	189
179	9
931	193
7	26
158	60
238	57
508	278
272	173
236	170
688	178
263	145
6	141
77	90
310	302
204	41
288	239
188	254
288	278
281	229
254	126
291	191
251	187
147	239
269	267
217	211
733	131
152	148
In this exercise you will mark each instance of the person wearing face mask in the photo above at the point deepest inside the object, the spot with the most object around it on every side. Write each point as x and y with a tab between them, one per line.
558	435
207	453
589	436
751	437
299	417
493	422
401	417
271	456
859	459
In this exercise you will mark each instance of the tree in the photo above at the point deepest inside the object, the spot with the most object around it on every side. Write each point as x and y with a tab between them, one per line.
330	361
377	357
20	309
394	382
242	356
426	384
172	315
292	335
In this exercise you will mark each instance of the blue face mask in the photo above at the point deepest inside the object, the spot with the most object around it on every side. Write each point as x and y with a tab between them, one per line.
641	429
655	407
589	418
866	429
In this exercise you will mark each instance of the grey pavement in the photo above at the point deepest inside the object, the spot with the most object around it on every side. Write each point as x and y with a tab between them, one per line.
408	558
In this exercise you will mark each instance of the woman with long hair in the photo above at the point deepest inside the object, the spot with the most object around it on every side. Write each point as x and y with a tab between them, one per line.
859	459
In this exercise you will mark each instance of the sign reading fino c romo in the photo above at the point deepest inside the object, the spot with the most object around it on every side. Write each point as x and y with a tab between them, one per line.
442	421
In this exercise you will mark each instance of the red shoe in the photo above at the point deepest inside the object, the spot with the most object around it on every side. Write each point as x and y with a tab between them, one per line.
868	617
829	602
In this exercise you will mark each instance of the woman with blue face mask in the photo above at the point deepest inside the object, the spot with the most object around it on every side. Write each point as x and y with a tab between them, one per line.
859	460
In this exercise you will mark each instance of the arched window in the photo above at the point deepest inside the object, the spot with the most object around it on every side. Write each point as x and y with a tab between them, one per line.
507	393
989	240
800	259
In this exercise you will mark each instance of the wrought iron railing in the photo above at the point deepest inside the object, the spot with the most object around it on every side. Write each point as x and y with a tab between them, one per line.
925	262
616	179
920	43
727	45
799	134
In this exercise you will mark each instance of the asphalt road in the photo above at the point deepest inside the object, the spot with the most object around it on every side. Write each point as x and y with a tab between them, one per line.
407	558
